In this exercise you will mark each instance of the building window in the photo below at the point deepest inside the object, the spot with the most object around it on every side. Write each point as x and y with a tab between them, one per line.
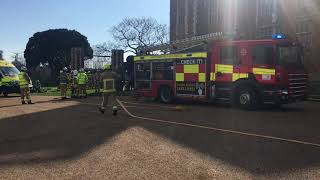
265	8
304	32
264	32
229	55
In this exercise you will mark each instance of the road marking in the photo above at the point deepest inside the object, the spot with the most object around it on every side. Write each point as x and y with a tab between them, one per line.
218	129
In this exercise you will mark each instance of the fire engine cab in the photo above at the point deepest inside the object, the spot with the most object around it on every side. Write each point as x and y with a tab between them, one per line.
242	72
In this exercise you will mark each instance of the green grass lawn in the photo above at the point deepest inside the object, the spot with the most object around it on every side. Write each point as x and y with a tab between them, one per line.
53	91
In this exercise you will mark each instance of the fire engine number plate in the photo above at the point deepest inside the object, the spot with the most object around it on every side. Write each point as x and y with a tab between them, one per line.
266	77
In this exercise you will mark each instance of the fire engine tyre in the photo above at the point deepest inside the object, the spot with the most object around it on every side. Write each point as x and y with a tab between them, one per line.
246	98
165	94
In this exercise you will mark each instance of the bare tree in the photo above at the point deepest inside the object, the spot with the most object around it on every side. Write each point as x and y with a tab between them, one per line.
104	48
18	61
137	34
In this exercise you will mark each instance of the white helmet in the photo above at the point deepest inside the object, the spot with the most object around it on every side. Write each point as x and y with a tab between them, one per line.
65	69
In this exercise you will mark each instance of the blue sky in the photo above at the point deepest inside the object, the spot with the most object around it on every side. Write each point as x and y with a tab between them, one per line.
20	19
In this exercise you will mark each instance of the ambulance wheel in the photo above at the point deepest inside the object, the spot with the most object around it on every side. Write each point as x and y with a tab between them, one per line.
165	94
246	98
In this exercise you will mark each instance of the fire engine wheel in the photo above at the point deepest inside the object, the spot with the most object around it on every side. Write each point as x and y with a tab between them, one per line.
246	98
165	94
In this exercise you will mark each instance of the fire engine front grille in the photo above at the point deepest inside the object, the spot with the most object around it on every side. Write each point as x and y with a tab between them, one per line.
298	85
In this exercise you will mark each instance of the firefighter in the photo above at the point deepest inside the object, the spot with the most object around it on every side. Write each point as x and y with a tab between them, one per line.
24	82
74	86
37	86
90	80
63	83
82	80
97	82
108	77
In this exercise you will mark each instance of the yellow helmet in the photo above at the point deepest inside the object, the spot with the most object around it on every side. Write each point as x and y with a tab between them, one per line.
107	67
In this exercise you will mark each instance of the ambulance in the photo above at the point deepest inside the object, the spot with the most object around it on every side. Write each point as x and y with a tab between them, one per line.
9	80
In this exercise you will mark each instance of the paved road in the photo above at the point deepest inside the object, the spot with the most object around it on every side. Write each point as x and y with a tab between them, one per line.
69	139
298	122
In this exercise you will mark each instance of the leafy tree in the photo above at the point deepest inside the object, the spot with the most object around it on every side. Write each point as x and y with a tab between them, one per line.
54	47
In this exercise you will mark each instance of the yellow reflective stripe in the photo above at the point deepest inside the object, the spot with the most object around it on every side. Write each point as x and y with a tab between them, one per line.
224	68
172	56
109	90
180	77
191	68
243	75
237	76
212	76
264	71
202	77
105	88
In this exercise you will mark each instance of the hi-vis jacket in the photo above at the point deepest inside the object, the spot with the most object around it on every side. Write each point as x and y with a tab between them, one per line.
82	78
24	80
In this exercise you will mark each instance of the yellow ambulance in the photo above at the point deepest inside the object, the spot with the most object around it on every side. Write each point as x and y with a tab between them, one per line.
9	80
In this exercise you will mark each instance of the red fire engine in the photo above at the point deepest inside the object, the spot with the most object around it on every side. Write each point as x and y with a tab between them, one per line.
245	72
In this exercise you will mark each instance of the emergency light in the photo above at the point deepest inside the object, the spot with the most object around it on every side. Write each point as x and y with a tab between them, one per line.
278	36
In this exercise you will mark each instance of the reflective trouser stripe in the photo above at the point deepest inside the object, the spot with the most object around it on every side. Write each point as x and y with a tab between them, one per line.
109	91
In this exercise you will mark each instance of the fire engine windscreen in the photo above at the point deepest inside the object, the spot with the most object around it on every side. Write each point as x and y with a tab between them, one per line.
289	56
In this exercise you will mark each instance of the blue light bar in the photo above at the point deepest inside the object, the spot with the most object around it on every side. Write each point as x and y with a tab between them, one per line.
279	36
